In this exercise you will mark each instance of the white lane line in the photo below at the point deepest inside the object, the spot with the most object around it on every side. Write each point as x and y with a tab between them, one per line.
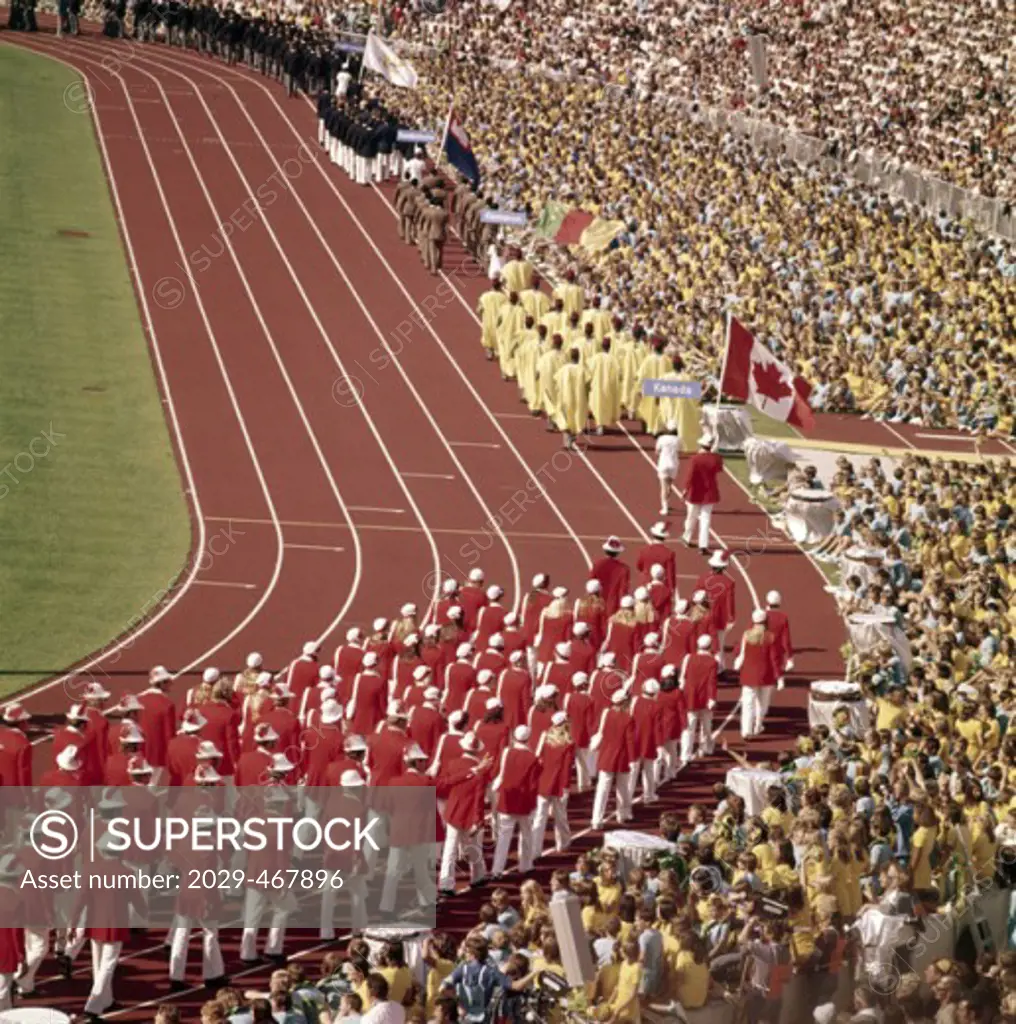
226	583
377	508
514	415
340	269
218	357
473	444
948	437
892	430
430	476
312	547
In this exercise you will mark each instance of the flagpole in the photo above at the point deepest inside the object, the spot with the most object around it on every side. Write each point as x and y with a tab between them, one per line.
363	58
723	369
447	128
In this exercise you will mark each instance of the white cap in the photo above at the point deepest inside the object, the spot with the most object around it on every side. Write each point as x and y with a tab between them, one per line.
456	718
704	642
310	647
668	671
659	530
758	616
494	592
137	765
412	640
651	640
650	687
496	642
455	612
618	696
558	718
484	676
420	673
682	606
521	734
380	623
592	586
718	560
559	592
541	579
95	691
281	763
331	712
774	598
580	628
14	712
432	693
395	709
414	752
463	650
129	702
511	619
264	680
409	609
104	845
607	659
516	656
354	743
544	693
657	572
641	594
130	733
430	631
470	743
353	635
369	660
563	649
449	587
699	597
350	779
206	773
705	441
193	721
210	676
159	674
264	733
207	751
613	546
579	679
475	575
327	693
254	660
627	601
68	760
326	673
493	704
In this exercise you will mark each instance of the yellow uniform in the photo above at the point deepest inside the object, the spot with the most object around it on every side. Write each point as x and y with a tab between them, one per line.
489	307
547	367
604	389
511	320
649	411
573	399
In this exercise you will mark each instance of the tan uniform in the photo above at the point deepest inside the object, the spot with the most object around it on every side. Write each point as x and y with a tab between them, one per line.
437	232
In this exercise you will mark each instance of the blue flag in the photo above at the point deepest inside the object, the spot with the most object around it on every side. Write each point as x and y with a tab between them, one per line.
459	150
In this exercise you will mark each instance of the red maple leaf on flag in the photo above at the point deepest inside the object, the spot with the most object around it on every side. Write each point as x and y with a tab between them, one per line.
769	382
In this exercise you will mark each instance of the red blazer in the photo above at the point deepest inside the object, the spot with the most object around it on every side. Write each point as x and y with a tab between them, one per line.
222	727
720	589
157	720
616	752
699	674
556	764
533	605
593	612
519	777
348	659
583	657
471	600
252	768
181	757
778	623
494	737
98	726
558	673
466	801
539	723
380	646
647	666
615	581
88	753
647	720
367	703
579	708
489	621
658	553
302	673
621	642
514	640
702	479
679	636
115	770
449	749
760	667
552	632
661	597
12	940
494	661
476	703
515	691
426	725
604	684
460	678
386	754
672	711
15	757
319	747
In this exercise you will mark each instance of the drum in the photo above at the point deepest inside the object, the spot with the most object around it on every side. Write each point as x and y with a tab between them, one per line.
412	940
828	696
863	562
731	424
869	629
636	849
753	787
810	514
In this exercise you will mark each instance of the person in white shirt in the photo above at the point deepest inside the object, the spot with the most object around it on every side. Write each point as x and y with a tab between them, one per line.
381	1009
668	453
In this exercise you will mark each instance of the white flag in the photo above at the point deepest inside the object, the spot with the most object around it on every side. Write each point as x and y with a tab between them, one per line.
380	57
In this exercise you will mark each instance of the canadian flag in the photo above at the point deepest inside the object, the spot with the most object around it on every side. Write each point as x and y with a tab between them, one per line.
751	373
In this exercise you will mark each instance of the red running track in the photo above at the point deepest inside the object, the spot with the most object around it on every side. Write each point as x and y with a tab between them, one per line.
327	393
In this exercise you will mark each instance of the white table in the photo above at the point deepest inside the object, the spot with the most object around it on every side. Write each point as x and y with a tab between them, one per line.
731	424
810	514
412	940
862	562
845	695
869	629
768	461
636	849
753	787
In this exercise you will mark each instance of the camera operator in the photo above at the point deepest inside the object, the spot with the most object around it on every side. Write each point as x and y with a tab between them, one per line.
477	981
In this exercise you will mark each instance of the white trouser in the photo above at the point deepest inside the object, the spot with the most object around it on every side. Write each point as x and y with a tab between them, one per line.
354	888
6	987
703	515
697	733
668	761
531	663
585	767
379	833
36	948
395	165
506	825
545	807
754	705
465	844
321	130
379	168
105	957
647	769
255	903
211	954
721	645
621	784
400	860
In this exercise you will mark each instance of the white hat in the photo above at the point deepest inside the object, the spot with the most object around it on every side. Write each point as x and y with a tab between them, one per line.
264	733
104	845
327	693
281	763
493	704
521	734
351	778
618	696
353	744
310	647
463	650
68	759
559	592
774	598
516	656
511	619
651	640
431	630
484	676
579	679
494	592
207	774
193	721
580	628
14	712
627	601
130	733
380	623
432	693
354	635
326	674
682	606
592	586
420	673
395	709
207	751
641	594
412	640
331	712
607	659
210	676
408	609
369	660
699	597
705	441
758	616
159	674
95	691
455	612
558	718
475	575
264	680
449	587
414	752
650	687
254	660
137	765
659	530
470	743
496	642
657	572
668	671
704	642
541	579
718	560
563	649
58	798
613	546
543	693
456	718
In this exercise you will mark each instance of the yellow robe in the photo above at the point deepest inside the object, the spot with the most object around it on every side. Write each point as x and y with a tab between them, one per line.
509	327
685	412
535	303
526	356
546	367
517	275
488	308
604	389
555	322
653	368
573	398
629	355
600	319
572	296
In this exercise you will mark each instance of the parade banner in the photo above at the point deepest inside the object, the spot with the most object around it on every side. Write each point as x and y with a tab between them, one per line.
572	227
551	216
347	857
598	236
412	135
672	389
513	218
